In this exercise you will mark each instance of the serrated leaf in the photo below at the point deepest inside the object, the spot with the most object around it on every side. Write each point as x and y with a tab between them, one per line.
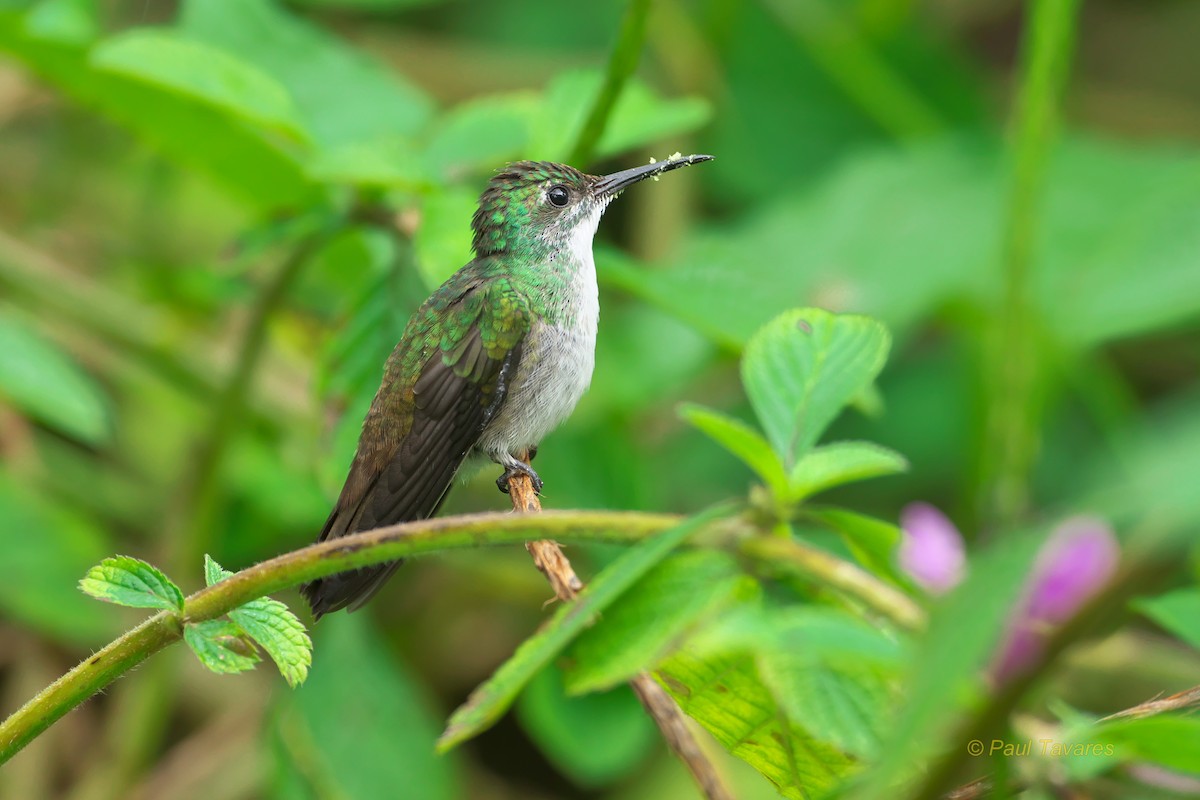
803	367
132	582
199	71
214	572
842	462
273	626
641	627
220	645
42	381
728	697
1178	612
743	441
490	700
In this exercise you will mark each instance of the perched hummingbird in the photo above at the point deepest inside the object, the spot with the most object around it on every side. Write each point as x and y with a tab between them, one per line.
494	360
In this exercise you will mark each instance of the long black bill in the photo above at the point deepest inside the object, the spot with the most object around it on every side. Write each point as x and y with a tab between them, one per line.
611	184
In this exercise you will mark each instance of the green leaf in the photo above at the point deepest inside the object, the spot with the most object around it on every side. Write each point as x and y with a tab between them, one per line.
803	367
70	21
220	645
872	541
384	162
490	700
1178	612
481	134
639	117
842	462
647	621
46	548
595	740
443	242
190	130
743	441
129	581
1166	739
42	381
728	697
205	73
363	726
273	626
342	96
938	243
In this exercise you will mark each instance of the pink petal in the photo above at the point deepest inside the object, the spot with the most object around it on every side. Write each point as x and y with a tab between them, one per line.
932	548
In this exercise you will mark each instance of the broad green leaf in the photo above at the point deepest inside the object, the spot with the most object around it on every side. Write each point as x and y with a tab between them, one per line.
220	645
443	242
166	60
190	130
382	162
842	462
743	441
69	21
934	238
481	134
1168	740
490	700
273	626
639	117
642	626
131	582
596	739
803	367
363	707
342	95
46	548
1178	612
727	696
872	541
41	380
829	671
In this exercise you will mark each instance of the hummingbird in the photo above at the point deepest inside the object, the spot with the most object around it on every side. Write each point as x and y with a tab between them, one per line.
494	360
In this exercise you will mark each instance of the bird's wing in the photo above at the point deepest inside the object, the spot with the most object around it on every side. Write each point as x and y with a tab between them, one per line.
445	381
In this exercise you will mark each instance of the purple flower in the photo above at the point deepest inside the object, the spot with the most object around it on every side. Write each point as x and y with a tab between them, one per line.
1076	562
932	548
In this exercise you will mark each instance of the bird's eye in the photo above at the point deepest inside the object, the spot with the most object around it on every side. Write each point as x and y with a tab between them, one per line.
558	196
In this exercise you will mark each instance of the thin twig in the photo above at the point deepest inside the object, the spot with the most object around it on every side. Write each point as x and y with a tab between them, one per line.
549	558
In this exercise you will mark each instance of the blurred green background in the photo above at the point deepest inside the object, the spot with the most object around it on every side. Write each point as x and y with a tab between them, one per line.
216	216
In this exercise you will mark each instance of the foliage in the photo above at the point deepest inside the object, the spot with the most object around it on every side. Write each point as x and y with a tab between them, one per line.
201	179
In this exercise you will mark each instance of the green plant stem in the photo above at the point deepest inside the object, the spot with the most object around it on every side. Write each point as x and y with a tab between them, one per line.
316	561
827	570
1013	369
848	58
621	65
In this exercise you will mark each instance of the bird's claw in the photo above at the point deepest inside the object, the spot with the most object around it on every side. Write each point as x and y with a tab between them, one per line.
513	471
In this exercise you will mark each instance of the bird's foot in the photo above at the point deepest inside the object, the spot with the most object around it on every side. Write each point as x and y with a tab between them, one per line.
515	468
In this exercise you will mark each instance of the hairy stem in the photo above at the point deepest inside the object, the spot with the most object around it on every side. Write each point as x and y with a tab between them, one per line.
309	563
621	65
1013	370
827	570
